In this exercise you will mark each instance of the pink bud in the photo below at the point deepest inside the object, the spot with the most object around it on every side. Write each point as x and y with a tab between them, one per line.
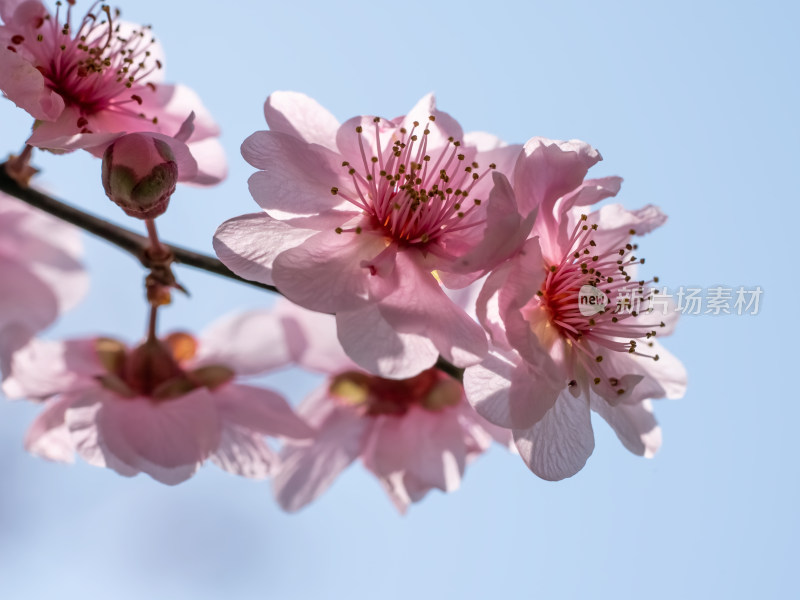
139	174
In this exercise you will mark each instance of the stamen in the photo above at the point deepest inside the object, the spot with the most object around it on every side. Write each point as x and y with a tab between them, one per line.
413	196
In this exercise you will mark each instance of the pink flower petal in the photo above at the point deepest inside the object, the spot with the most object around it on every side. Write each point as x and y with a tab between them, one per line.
25	86
46	368
87	438
297	178
479	433
503	234
309	468
167	440
249	244
634	424
212	165
9	7
509	392
588	193
50	248
559	444
548	169
492	149
372	342
312	339
172	104
419	306
443	128
524	278
64	135
487	305
662	378
302	117
416	453
243	453
615	223
48	436
249	343
328	272
26	298
260	410
350	142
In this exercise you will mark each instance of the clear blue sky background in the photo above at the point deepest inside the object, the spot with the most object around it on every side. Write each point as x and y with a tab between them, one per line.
695	104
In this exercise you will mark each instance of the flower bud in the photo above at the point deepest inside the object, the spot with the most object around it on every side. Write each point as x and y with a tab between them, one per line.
139	174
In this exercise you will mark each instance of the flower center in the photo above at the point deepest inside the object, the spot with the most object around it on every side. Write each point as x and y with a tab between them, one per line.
590	297
378	396
153	369
93	66
413	193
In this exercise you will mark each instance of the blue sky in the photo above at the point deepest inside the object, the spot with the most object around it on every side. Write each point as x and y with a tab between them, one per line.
693	104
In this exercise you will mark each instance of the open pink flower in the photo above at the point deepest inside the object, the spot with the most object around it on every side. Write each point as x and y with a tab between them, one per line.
163	407
87	82
556	355
40	271
413	434
366	220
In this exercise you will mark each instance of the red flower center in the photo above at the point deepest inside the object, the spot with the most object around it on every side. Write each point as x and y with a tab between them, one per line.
93	66
415	194
374	396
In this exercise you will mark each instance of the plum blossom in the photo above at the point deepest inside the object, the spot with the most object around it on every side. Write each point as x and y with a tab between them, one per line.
163	407
41	273
553	358
413	434
87	81
368	219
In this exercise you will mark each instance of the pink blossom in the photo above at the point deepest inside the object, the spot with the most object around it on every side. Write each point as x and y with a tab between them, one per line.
413	434
163	407
40	271
366	220
553	358
88	81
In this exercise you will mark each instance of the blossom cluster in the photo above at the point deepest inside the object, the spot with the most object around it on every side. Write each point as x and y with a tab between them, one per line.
433	276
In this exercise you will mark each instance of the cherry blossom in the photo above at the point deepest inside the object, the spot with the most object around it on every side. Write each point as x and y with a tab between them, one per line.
554	356
367	220
89	80
163	407
413	434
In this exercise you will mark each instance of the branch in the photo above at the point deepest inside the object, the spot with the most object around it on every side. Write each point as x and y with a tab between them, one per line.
126	239
136	244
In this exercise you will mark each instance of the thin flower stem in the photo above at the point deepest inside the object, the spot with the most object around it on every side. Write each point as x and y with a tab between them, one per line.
136	244
155	244
19	168
25	156
152	322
